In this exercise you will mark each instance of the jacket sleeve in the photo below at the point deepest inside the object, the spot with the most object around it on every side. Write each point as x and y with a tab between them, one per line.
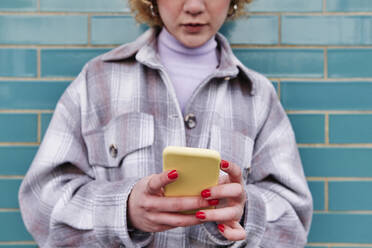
63	203
279	207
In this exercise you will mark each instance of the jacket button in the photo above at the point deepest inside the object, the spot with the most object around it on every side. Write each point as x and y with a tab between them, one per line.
113	151
190	121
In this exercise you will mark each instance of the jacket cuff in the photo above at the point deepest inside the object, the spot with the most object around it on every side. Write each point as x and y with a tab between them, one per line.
110	216
255	216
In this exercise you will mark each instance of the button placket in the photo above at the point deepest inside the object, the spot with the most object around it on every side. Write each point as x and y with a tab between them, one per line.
113	150
190	121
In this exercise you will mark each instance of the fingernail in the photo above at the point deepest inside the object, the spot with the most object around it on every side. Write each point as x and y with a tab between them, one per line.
206	193
200	215
224	164
221	227
213	202
172	174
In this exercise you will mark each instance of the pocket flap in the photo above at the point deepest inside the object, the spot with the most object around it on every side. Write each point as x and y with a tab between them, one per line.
126	133
232	145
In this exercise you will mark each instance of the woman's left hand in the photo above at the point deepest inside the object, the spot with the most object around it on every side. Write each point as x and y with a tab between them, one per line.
230	196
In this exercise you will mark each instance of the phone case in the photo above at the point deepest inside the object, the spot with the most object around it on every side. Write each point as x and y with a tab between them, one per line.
197	170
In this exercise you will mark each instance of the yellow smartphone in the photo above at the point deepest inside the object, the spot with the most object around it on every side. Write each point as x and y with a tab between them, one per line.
197	169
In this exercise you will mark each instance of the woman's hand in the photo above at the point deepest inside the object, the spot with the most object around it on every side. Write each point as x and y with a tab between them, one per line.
150	211
231	195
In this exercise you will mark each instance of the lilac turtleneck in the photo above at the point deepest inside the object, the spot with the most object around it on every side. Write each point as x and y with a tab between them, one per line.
187	67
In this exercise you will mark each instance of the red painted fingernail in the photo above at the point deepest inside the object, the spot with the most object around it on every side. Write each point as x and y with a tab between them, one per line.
206	193
213	202
172	174
200	215
224	164
221	228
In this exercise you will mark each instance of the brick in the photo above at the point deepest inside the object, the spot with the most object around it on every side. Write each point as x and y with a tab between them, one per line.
16	160
45	120
9	193
285	6
347	5
12	228
326	95
327	30
252	25
341	228
306	63
18	128
353	128
337	162
84	5
349	63
30	95
309	128
43	29
69	61
18	62
18	5
350	195
317	191
126	29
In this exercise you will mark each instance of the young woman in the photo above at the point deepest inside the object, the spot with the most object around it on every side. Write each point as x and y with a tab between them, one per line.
96	180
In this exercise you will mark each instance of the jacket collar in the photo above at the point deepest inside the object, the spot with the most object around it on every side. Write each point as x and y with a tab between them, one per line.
144	48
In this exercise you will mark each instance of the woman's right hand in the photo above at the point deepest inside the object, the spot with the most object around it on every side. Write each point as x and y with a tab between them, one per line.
150	211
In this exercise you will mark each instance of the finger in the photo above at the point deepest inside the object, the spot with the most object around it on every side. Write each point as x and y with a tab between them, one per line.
232	231
157	181
173	219
220	214
234	171
223	179
174	204
230	190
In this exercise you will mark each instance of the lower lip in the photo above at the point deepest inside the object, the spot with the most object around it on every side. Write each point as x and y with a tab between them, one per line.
193	29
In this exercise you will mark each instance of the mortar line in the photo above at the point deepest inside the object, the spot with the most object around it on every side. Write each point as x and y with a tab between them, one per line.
4	144
16	111
38	6
324	6
2	210
11	177
326	195
326	129
364	145
329	111
38	127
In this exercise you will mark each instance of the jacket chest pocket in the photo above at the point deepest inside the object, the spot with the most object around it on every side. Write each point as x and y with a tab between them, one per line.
124	143
233	146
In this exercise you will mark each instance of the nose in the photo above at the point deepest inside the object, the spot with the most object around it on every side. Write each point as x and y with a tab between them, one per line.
194	7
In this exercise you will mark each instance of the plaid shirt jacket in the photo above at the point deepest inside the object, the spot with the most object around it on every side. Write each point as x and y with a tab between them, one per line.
110	127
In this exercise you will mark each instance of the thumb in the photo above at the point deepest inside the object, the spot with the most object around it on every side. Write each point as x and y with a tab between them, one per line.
158	181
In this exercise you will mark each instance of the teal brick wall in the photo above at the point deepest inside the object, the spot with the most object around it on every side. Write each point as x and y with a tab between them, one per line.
317	53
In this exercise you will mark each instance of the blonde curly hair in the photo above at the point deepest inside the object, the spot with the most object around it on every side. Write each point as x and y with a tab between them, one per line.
142	11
